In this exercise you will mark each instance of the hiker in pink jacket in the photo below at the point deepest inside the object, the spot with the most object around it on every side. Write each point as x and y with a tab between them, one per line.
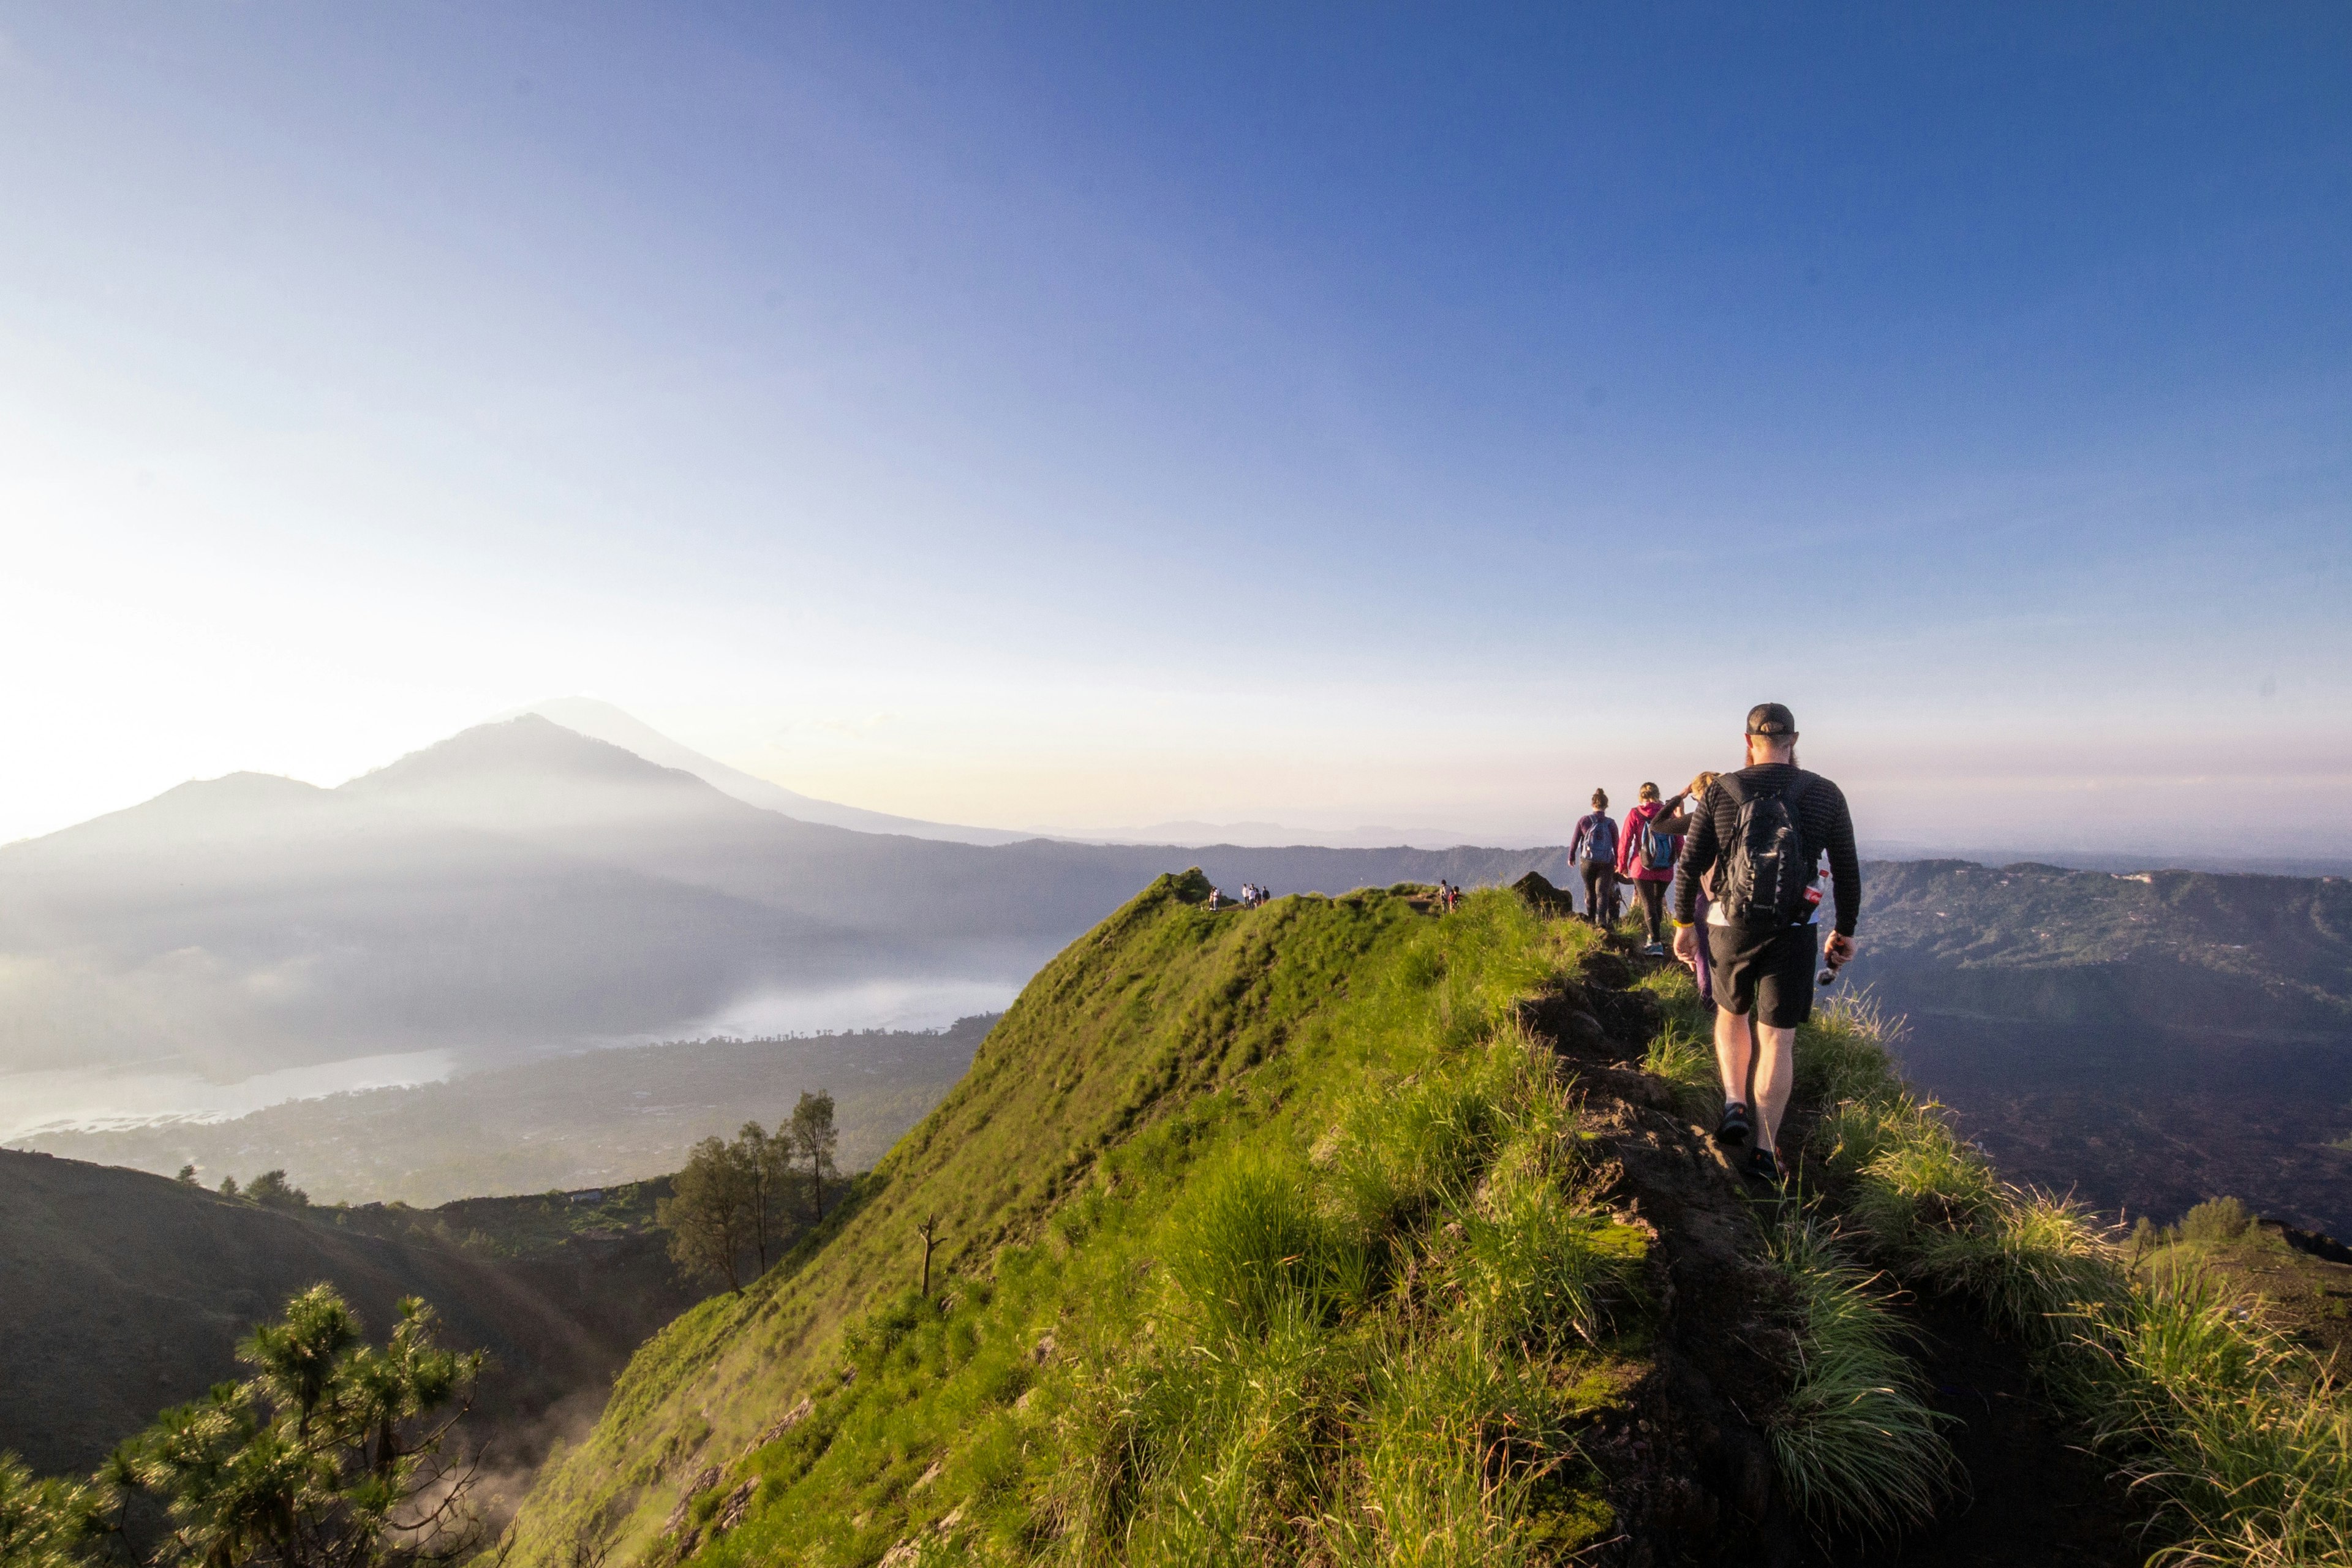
1646	857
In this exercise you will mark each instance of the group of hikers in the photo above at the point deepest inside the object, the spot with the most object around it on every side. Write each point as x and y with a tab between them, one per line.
1734	861
1737	858
1608	857
1252	897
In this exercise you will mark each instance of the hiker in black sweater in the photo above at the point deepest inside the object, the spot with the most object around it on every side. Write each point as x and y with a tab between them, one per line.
1762	832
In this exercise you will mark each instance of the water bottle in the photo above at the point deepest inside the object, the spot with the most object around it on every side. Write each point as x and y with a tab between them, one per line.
1828	976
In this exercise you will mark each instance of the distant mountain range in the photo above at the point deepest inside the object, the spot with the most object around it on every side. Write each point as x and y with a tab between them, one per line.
2244	956
2143	1040
522	886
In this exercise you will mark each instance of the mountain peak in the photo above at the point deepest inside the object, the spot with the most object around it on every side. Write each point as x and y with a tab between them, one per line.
233	807
526	744
591	716
529	775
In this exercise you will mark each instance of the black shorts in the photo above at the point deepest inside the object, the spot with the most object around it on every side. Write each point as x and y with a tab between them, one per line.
1768	973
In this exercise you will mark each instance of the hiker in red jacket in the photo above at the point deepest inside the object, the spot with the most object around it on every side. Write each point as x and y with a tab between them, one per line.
1646	857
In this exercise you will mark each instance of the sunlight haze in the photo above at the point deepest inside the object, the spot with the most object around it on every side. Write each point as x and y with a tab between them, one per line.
1067	422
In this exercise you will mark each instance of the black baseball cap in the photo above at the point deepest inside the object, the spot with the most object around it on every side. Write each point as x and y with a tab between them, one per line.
1772	720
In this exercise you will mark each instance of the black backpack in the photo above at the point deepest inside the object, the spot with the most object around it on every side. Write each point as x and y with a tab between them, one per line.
1767	866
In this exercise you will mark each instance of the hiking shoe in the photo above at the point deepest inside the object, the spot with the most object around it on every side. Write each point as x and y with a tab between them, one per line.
1735	1124
1764	1165
1656	950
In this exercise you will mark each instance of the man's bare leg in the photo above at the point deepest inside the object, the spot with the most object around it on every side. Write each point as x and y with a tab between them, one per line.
1776	1075
1734	1051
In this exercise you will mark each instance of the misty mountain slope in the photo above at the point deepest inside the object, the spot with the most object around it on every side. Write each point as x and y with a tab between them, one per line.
531	780
519	885
127	1292
583	1119
237	934
602	721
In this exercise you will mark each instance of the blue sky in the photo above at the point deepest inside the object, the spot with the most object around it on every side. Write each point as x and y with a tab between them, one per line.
1089	416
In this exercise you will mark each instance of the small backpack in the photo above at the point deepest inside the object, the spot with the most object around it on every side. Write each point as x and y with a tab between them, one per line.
1766	867
1657	848
1601	843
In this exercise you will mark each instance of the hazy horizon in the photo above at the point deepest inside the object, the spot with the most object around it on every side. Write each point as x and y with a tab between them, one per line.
1309	825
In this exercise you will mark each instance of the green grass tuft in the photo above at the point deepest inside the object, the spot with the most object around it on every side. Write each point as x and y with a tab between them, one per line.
1250	1251
1856	1443
2248	1440
1681	1054
1844	1055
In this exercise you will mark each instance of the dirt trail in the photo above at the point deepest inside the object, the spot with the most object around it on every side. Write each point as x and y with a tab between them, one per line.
1692	1477
2034	1496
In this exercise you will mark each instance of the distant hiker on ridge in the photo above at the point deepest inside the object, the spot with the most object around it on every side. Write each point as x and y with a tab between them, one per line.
1762	831
1593	852
1646	857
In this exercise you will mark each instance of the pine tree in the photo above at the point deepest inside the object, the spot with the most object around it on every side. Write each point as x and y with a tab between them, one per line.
43	1524
272	1190
814	1139
767	1165
330	1456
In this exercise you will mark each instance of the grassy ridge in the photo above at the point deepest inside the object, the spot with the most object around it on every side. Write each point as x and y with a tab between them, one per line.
1196	1029
1269	1235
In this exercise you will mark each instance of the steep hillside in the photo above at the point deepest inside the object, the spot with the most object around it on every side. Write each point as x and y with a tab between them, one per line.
1335	1231
121	1293
1153	1043
519	886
